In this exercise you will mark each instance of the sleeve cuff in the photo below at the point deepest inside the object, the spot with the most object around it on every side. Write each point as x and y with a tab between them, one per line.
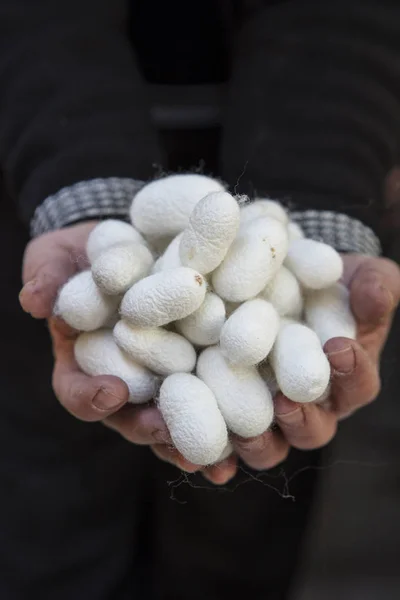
344	233
92	199
112	197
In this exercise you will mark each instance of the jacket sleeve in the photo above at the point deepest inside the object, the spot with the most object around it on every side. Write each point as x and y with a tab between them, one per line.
74	122
314	113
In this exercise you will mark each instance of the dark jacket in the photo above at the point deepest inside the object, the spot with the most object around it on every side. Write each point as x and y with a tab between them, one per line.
312	111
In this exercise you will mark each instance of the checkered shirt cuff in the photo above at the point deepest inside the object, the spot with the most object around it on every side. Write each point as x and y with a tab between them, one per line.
93	199
338	230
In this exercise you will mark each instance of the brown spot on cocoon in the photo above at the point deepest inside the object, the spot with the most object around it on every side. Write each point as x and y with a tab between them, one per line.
199	279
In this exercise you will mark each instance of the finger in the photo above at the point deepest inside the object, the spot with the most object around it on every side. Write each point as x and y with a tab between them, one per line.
222	472
171	455
141	425
263	451
375	291
44	276
87	398
355	378
305	426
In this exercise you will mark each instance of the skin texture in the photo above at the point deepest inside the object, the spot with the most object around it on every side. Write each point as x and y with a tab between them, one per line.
374	285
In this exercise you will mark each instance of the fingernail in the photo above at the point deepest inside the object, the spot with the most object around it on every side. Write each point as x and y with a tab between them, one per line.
106	400
161	436
343	361
284	406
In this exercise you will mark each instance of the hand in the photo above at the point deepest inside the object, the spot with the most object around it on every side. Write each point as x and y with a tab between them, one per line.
53	258
49	262
374	285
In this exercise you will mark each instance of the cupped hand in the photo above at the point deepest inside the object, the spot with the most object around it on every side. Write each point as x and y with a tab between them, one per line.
374	286
49	262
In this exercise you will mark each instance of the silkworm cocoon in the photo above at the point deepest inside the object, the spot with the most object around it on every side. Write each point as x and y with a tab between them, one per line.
284	293
249	334
251	261
243	397
191	413
97	354
212	228
315	264
116	269
301	368
82	305
203	326
295	232
164	297
329	314
263	208
164	352
276	235
163	207
170	259
110	233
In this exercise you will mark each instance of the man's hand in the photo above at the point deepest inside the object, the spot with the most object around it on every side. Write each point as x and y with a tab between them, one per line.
374	286
49	262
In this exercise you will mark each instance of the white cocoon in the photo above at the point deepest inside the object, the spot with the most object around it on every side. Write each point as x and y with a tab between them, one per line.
82	305
284	293
109	233
329	314
116	269
300	365
164	297
212	228
263	208
295	232
243	397
97	354
162	208
246	268
249	333
315	264
191	413
170	259
164	352
275	233
203	326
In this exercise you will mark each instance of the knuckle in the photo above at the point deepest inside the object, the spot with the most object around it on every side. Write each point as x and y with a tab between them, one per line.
253	445
317	438
296	419
269	462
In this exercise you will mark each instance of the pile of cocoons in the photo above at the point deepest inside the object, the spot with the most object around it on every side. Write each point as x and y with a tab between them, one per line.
208	304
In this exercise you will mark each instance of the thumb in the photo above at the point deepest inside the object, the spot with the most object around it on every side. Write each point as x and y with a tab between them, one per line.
47	266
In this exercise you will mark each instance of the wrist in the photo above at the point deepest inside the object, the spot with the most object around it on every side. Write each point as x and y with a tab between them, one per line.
344	233
86	200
